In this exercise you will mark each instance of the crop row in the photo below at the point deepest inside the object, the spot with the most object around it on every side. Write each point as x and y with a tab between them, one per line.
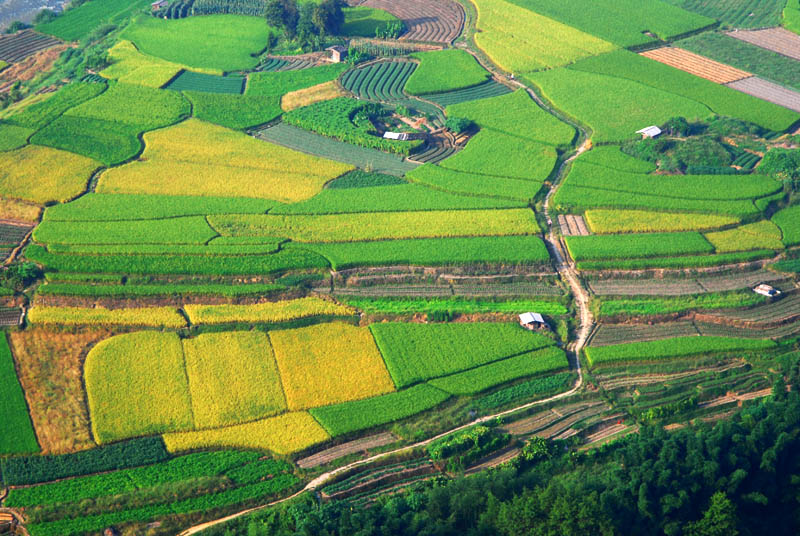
670	348
382	81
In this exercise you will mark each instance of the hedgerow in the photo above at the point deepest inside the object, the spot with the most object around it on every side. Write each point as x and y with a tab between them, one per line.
358	415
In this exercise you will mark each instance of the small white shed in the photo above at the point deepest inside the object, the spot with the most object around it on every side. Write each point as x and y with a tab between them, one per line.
532	321
650	132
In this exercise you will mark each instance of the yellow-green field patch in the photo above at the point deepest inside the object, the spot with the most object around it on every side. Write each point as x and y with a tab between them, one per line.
284	434
269	312
133	67
166	317
203	159
759	235
641	221
43	175
233	378
328	364
380	226
136	385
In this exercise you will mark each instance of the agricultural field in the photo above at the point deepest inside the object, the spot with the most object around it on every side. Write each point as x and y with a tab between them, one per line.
146	316
207	83
365	21
15	409
697	65
627	246
746	14
262	313
671	348
80	22
224	162
382	81
224	42
759	235
517	51
640	221
18	46
28	174
788	220
442	71
425	20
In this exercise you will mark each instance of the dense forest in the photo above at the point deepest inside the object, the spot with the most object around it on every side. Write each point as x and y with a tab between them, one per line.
741	476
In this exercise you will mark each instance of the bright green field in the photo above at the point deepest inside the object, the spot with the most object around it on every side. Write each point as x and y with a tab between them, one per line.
669	348
20	437
636	245
80	22
362	21
224	42
13	137
788	220
739	14
444	70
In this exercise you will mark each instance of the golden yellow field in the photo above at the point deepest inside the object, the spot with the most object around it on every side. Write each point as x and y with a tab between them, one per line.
640	221
133	67
284	434
759	235
519	40
11	209
233	378
197	158
166	317
379	226
280	311
308	96
329	363
43	175
136	385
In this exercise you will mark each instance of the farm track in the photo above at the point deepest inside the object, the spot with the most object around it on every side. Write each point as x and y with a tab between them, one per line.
768	91
696	64
777	40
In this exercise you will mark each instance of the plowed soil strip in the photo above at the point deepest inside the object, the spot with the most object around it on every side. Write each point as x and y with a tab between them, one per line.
436	21
775	39
696	64
494	460
339	451
768	91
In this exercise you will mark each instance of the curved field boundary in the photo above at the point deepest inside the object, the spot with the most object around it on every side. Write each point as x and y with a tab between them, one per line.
434	21
310	143
696	64
20	45
381	81
487	89
768	91
775	39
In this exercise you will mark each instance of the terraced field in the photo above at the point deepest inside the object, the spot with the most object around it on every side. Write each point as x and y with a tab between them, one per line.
16	47
768	91
425	20
696	64
382	81
775	39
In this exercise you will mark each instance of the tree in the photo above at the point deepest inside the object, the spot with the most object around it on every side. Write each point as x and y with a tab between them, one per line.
283	14
45	15
328	17
16	26
719	520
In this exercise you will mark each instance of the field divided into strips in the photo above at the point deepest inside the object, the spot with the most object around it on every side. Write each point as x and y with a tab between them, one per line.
224	162
742	55
617	334
20	437
223	42
536	42
677	287
209	83
622	22
322	146
425	20
80	22
487	89
381	81
379	226
740	14
695	64
506	250
416	352
768	91
18	46
474	184
671	348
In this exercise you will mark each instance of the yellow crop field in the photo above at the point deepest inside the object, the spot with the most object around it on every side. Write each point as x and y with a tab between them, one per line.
233	378
43	174
166	317
285	434
11	209
379	226
328	364
269	312
310	95
204	159
519	40
759	235
136	385
641	221
133	67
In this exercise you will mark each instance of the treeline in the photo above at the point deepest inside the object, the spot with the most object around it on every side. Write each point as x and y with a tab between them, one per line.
306	21
741	476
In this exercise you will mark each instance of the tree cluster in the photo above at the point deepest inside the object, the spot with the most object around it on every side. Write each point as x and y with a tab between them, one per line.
307	22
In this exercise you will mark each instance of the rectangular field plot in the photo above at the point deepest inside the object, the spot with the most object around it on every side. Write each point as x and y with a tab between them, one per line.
696	64
329	364
13	234
357	415
610	334
310	143
516	250
450	180
669	348
265	313
185	230
783	310
788	220
679	287
640	221
759	235
18	46
415	352
572	225
208	83
380	225
775	39
233	378
739	13
487	376
97	316
768	91
485	90
636	245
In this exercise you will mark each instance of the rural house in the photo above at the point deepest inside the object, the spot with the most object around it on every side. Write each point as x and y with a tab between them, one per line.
767	290
338	53
650	132
159	4
532	321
